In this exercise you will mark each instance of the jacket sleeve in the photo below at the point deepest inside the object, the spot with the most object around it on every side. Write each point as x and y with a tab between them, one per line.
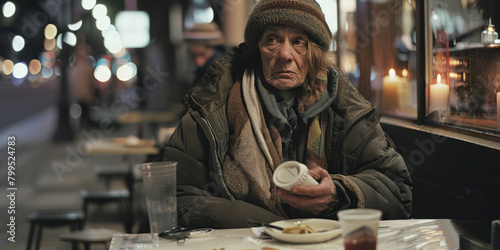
199	203
379	179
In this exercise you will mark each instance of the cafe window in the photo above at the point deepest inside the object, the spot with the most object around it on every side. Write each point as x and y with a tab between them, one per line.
458	82
376	49
463	76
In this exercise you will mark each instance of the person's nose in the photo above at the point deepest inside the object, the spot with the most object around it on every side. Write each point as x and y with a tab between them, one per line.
286	51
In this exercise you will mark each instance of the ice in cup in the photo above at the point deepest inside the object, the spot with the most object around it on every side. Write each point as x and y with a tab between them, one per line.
359	228
159	182
292	173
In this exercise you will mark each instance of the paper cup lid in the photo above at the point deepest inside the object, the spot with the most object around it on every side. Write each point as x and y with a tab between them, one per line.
291	173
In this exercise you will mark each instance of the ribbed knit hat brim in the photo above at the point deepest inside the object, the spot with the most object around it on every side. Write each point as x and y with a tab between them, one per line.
305	15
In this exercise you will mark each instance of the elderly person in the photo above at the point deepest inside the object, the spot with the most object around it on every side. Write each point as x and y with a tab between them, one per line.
276	98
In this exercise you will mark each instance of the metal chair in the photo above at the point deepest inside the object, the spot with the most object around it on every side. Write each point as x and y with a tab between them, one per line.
52	218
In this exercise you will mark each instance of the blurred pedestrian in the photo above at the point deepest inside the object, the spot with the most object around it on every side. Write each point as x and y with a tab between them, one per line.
82	81
205	45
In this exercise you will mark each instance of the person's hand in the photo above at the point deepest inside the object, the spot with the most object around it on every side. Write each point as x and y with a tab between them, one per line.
313	199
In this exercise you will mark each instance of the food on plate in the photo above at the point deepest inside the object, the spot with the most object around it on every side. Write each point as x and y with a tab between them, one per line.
301	228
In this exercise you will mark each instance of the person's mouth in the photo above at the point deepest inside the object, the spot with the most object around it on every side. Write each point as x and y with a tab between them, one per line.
285	72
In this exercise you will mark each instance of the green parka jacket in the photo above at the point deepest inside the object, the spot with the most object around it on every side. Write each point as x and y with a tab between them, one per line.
367	171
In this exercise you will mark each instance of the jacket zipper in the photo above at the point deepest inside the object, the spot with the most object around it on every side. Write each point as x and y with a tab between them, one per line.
202	120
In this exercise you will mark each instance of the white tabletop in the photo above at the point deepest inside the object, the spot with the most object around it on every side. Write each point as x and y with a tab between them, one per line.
393	234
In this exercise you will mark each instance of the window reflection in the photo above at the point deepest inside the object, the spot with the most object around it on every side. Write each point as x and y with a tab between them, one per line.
376	42
466	57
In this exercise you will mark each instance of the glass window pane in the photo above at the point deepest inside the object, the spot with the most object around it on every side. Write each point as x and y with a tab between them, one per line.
377	50
463	86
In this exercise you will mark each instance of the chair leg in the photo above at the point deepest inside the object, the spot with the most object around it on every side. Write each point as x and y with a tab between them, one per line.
127	215
31	235
39	236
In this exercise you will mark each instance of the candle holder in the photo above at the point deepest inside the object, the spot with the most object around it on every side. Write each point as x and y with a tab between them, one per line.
489	35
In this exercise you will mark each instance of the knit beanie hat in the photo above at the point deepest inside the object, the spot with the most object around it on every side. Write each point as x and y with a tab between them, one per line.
305	15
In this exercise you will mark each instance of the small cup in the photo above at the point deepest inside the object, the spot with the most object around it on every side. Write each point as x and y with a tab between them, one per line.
359	228
159	181
292	173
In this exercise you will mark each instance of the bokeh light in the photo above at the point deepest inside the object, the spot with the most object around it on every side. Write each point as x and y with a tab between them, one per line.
70	38
17	43
58	68
126	71
102	73
121	53
7	67
47	59
20	70
49	44
9	9
103	23
112	42
75	110
59	41
109	31
99	11
50	31
75	26
205	15
47	72
88	4
35	66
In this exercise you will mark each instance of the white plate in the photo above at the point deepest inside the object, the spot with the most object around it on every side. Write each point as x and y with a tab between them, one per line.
332	227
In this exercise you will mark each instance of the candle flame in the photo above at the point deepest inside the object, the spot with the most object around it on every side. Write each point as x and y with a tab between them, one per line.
392	73
438	79
404	73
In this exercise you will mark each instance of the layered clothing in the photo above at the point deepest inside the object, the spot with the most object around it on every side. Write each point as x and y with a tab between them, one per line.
237	131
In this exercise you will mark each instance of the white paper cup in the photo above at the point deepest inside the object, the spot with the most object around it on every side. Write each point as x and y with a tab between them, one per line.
159	181
359	228
292	173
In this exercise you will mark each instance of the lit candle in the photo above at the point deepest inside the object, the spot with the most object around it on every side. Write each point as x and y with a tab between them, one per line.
391	83
404	73
498	110
440	98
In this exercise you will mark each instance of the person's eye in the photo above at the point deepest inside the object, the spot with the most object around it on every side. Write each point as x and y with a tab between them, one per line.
300	42
272	40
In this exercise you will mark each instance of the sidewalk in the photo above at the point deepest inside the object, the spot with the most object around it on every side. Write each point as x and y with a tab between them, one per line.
50	176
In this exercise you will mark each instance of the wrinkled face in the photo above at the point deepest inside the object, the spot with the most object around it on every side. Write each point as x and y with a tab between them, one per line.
283	52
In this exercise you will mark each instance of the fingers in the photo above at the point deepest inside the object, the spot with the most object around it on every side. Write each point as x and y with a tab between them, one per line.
323	188
318	173
305	203
313	199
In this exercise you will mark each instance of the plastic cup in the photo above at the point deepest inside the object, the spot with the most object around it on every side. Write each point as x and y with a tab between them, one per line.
292	173
359	228
159	181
